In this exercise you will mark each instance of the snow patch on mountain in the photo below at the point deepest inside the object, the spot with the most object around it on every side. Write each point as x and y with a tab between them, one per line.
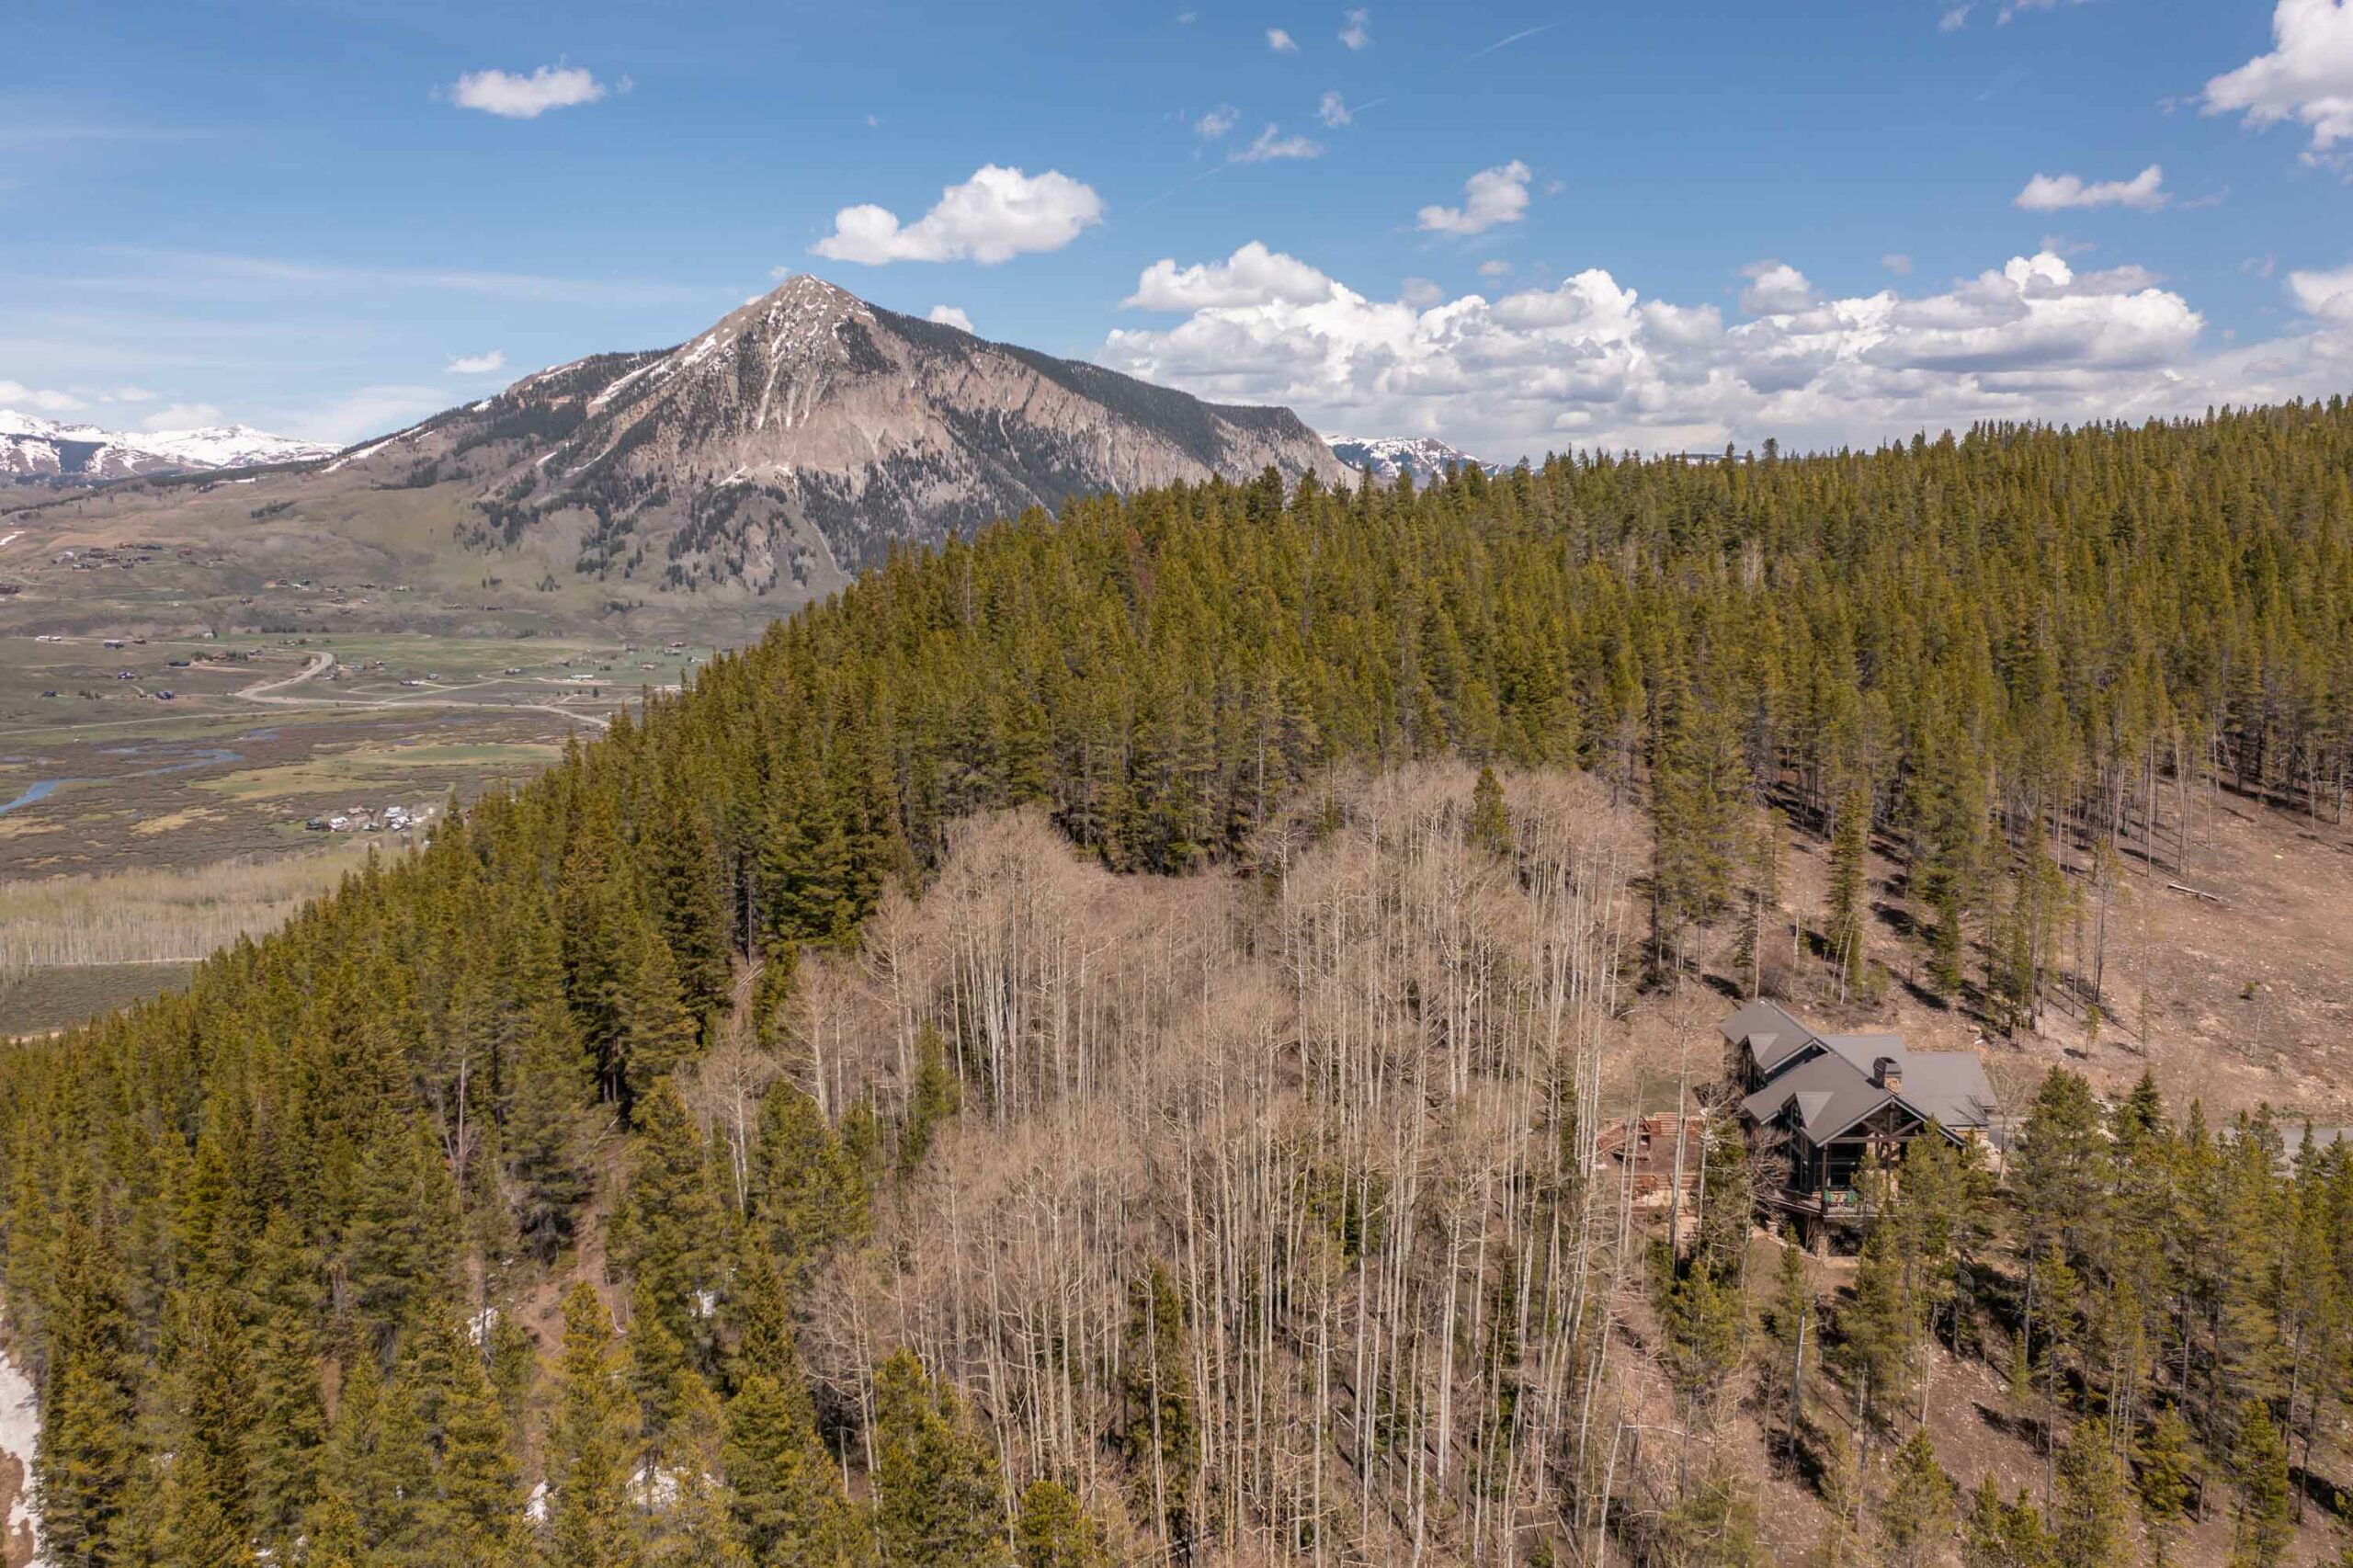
1424	457
35	449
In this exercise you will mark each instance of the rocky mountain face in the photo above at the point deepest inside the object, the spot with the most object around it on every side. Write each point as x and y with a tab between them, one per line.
39	451
791	443
1424	457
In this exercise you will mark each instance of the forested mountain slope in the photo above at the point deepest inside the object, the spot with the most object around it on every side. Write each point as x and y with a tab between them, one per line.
274	1250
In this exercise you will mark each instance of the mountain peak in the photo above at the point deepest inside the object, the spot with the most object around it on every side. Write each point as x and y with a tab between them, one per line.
794	441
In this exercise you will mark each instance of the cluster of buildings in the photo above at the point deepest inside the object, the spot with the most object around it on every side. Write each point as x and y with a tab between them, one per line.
359	819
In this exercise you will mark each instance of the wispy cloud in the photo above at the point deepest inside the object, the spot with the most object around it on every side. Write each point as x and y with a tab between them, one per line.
1357	33
1272	145
176	271
25	134
39	400
1217	122
1521	36
478	364
1281	41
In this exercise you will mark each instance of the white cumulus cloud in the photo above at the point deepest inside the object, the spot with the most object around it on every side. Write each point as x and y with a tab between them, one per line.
948	315
2328	295
1281	42
1333	110
2144	192
1217	122
1251	276
1357	33
2307	77
512	96
1490	197
1774	288
1592	363
997	214
478	364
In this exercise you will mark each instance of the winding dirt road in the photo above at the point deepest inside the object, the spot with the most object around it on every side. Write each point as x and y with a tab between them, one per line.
320	664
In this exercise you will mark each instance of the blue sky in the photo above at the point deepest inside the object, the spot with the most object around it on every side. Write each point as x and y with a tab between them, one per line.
1519	226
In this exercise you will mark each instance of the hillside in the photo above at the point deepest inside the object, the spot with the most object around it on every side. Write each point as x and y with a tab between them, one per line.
1094	1046
760	464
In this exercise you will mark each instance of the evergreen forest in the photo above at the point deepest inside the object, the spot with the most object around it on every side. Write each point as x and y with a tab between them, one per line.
1084	1047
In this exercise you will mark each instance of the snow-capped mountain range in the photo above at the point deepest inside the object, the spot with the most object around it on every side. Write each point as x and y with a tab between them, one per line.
37	451
1424	457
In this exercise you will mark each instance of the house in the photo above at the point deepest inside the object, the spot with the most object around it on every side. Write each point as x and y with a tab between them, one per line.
1819	1106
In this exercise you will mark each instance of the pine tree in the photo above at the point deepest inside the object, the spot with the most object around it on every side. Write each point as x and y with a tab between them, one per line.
480	1483
687	898
2093	1513
1054	1532
547	1132
1997	1534
401	1252
90	1459
1712	1525
2265	1524
699	1529
759	1313
653	1033
1879	1331
1917	1515
289	1414
2169	1477
787	1499
1163	1430
930	1101
1792	1324
1490	824
209	1497
934	1480
806	1188
591	1523
1849	845
671	1229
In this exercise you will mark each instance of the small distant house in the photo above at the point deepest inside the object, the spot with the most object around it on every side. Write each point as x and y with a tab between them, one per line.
1819	1106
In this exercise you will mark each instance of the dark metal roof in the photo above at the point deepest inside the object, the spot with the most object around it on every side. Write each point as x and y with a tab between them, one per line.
1836	1088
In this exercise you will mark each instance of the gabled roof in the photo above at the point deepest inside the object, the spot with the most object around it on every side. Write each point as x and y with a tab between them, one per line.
1835	1089
1831	1097
1771	1033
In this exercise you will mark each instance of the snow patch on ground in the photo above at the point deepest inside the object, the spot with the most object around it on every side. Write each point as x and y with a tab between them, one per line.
19	1437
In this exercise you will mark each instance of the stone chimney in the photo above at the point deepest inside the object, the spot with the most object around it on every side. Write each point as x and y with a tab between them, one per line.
1888	1073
